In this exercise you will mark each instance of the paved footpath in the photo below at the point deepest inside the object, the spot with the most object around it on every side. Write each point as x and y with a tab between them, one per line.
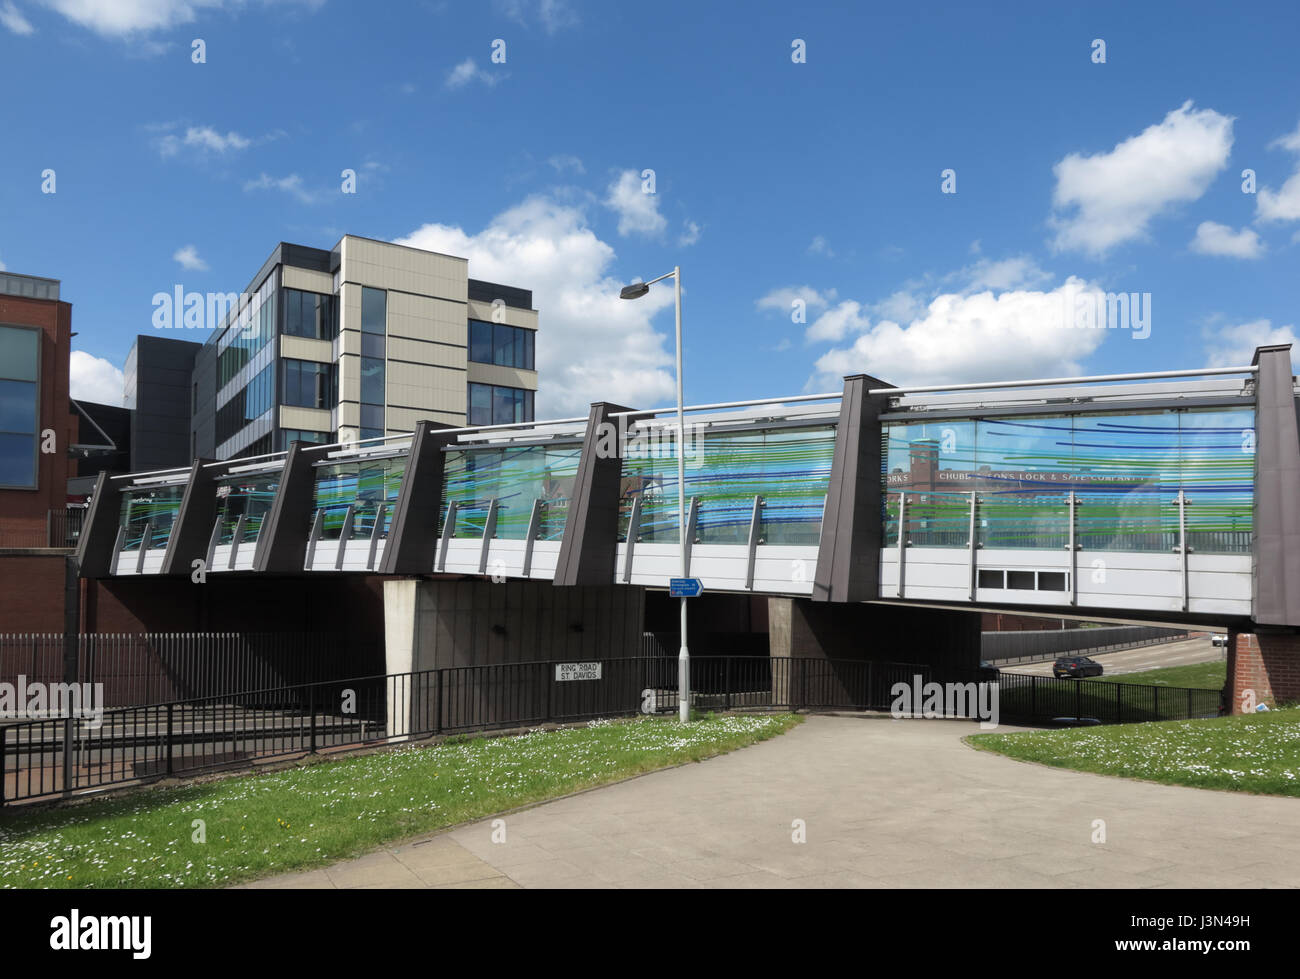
885	803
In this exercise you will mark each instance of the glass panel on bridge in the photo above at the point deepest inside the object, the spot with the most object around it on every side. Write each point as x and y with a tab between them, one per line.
140	506
249	496
1125	469
1126	475
788	467
1217	452
934	463
364	485
516	477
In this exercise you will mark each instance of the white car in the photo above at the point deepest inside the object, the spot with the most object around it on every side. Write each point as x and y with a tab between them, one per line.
1218	639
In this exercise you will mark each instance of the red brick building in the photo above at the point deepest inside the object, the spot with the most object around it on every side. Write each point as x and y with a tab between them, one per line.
36	427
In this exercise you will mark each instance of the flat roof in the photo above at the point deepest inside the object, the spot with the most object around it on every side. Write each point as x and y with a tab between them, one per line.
28	286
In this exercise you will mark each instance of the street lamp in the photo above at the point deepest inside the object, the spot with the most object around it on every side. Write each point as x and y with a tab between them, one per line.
635	291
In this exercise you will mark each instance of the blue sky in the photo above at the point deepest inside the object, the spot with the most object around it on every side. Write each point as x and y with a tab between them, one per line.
774	181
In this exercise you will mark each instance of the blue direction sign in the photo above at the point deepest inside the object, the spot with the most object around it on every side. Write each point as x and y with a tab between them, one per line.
685	587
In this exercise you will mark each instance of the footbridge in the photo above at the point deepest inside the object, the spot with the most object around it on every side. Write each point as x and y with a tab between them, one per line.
1171	495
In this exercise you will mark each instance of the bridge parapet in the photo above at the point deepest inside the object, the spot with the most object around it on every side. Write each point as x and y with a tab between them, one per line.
1124	493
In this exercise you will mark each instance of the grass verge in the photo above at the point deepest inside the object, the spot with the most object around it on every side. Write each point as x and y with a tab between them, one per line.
1202	676
294	819
1245	753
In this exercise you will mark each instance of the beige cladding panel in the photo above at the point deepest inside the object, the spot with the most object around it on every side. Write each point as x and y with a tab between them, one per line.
302	348
405	419
509	315
411	385
438	354
422	318
386	266
511	377
349	379
418	386
350	342
349	416
350	306
307	280
306	419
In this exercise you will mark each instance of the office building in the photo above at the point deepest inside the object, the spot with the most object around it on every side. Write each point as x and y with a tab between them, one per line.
357	342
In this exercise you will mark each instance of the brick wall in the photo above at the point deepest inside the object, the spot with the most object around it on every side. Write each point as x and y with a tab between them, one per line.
22	512
31	592
1267	664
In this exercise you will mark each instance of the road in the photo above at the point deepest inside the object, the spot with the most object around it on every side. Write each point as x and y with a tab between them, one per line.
1142	658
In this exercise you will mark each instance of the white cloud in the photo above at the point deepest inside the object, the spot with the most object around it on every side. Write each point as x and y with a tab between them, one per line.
820	246
591	345
1114	196
1288	141
690	234
13	19
1017	272
122	18
838	322
291	184
842	319
115	18
1283	204
783	299
1219	239
565	161
553	15
188	257
203	139
94	379
638	212
1234	346
975	337
901	305
468	71
1279	205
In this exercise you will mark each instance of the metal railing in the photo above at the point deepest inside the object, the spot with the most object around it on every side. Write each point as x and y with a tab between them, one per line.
48	758
1037	645
139	669
62	529
1047	698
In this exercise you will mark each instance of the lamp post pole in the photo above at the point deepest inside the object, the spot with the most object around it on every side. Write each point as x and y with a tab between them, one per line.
683	654
636	291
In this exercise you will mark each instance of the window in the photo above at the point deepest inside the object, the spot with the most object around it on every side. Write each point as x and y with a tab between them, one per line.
374	318
250	329
310	314
480	342
502	345
1051	581
374	310
1020	580
492	404
255	400
20	351
372	380
306	384
298	435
